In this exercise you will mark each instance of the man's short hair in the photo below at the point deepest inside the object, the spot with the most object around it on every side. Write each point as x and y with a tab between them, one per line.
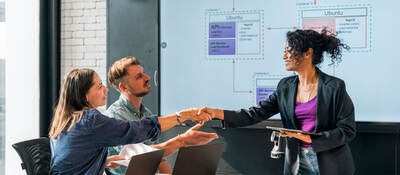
118	70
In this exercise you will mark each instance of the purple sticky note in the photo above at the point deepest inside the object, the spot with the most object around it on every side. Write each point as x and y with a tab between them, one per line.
222	30
263	93
221	47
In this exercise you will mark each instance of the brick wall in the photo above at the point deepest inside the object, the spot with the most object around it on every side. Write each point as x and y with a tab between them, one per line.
83	36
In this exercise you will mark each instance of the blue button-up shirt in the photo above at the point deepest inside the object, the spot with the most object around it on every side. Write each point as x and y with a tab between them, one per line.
83	149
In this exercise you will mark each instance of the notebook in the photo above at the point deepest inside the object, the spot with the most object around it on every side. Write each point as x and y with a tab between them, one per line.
145	164
198	160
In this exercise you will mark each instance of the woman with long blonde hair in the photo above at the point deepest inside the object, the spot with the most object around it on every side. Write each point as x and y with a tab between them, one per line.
80	134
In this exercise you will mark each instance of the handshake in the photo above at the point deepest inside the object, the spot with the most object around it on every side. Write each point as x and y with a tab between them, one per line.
199	115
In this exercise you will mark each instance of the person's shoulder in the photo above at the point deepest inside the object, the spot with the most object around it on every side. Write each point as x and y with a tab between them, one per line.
286	81
117	104
331	81
91	114
90	117
116	109
289	78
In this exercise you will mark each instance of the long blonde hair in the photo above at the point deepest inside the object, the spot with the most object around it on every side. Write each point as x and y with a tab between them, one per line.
72	100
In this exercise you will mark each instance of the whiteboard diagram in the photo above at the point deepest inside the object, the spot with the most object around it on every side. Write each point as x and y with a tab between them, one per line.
229	52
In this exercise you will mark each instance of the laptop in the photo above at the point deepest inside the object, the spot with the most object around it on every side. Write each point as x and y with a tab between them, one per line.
145	164
198	160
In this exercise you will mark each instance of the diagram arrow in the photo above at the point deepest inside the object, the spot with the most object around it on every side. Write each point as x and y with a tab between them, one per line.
234	80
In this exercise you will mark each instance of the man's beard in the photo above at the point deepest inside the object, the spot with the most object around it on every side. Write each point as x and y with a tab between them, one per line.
137	94
141	94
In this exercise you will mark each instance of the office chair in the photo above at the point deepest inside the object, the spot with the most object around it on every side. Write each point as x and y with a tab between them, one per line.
35	155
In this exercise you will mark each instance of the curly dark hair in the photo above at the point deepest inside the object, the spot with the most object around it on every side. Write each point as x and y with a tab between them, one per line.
300	41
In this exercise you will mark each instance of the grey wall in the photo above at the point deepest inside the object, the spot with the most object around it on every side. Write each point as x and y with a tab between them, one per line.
132	29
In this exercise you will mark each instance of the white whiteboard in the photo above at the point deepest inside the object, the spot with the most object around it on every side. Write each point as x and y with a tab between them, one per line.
228	53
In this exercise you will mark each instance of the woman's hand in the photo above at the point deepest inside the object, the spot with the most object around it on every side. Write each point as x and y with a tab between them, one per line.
195	137
112	165
213	112
194	115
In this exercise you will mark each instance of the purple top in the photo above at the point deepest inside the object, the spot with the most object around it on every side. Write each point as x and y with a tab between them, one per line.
306	115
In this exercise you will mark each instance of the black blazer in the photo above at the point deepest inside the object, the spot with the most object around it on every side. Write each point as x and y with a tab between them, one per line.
335	121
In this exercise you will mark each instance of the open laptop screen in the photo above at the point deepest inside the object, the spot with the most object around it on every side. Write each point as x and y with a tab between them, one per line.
145	164
198	160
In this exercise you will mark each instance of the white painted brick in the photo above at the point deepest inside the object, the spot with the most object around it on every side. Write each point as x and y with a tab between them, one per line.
73	1
66	20
65	13
101	34
72	12
95	26
72	42
95	12
101	20
102	63
65	48
95	55
101	5
76	12
84	63
66	6
65	35
90	12
94	48
76	49
73	55
89	49
72	27
84	20
101	48
84	34
83	5
66	62
94	41
101	12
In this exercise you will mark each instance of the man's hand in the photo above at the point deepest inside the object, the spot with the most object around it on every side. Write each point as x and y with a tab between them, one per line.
195	137
110	164
194	115
214	113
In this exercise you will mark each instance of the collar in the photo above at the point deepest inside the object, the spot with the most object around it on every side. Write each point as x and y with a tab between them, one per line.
132	108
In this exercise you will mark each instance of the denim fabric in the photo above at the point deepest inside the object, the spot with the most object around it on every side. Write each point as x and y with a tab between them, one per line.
83	149
308	162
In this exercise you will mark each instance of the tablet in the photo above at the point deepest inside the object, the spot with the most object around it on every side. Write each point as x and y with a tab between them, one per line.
291	130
